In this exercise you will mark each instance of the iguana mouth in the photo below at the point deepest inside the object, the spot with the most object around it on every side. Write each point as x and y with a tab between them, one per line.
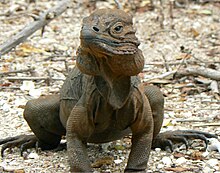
113	47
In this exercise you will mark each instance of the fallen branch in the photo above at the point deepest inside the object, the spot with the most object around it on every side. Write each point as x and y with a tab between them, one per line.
178	62
191	120
206	124
29	29
9	88
199	71
16	71
168	74
33	78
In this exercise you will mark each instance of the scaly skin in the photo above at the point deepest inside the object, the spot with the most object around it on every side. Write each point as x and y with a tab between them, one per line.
102	99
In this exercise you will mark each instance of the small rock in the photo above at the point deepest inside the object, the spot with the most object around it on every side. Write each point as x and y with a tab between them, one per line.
117	161
214	145
6	108
205	154
166	161
35	92
181	160
105	146
158	150
213	162
122	158
207	169
27	85
33	156
160	166
14	169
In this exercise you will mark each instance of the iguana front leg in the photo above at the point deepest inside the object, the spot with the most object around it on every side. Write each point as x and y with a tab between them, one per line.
78	157
142	135
79	127
140	150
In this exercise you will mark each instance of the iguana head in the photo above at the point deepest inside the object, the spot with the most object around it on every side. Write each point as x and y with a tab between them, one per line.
109	34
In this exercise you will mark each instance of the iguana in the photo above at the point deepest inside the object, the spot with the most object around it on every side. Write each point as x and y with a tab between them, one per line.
102	99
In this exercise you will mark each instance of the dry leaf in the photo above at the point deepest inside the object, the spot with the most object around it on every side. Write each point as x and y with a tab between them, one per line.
197	155
119	147
178	169
19	171
206	12
178	155
160	81
194	32
167	122
189	91
183	56
103	161
26	49
5	68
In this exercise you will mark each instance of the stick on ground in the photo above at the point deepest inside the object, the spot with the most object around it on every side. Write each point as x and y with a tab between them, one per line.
29	29
199	71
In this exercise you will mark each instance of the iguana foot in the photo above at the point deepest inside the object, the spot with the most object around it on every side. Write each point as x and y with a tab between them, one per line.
167	139
22	141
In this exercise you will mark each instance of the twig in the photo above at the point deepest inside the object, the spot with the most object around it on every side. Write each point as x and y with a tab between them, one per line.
16	71
10	87
210	109
210	1
206	124
33	78
179	62
164	75
171	13
165	61
118	4
182	61
190	120
28	30
57	57
161	16
165	30
205	101
182	4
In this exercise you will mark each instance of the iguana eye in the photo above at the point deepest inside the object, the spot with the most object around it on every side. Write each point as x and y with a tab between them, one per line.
118	28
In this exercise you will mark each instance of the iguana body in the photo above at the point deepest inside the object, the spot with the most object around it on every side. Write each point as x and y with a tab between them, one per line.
102	99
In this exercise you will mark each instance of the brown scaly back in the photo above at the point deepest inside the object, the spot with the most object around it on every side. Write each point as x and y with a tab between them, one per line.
109	34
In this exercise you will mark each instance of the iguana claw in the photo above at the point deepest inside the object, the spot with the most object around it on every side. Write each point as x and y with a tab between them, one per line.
166	139
22	141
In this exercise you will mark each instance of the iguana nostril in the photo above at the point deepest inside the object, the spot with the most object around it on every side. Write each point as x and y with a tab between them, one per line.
95	29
